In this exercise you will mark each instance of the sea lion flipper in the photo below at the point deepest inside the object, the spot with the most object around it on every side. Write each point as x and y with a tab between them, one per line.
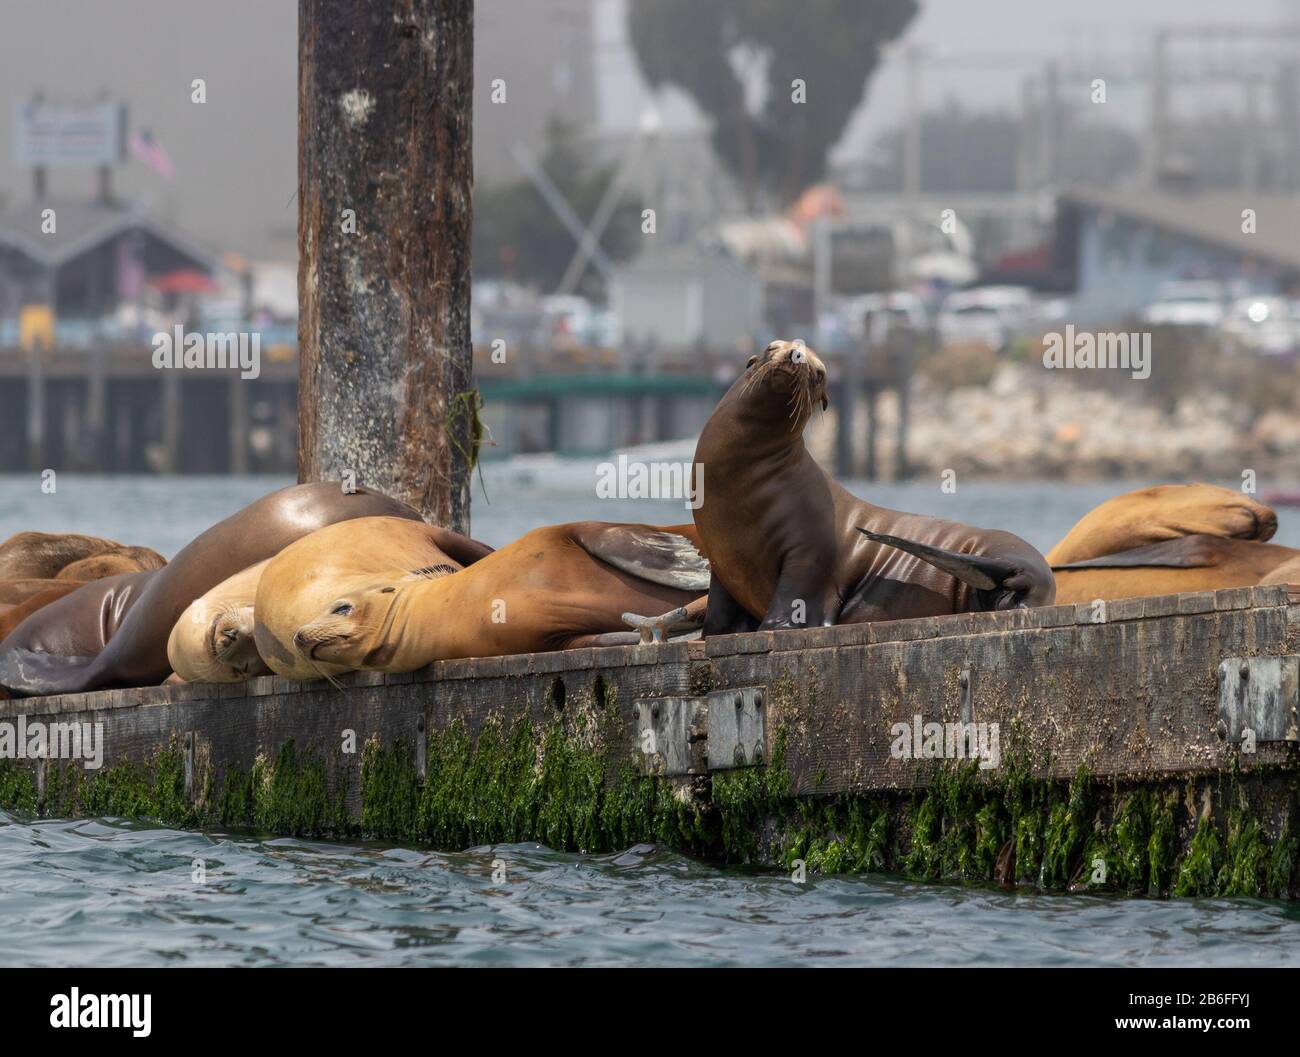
657	629
31	673
1185	552
978	570
659	557
458	548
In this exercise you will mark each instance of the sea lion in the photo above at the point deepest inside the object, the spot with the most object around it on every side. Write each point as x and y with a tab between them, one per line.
1188	563
43	555
330	603
137	654
784	539
213	640
13	592
113	563
14	615
69	629
1286	573
1163	512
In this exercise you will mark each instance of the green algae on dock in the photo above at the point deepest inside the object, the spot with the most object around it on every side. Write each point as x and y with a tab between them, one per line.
1114	774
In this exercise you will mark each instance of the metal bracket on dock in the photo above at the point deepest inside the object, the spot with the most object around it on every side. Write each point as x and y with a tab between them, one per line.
1258	697
694	735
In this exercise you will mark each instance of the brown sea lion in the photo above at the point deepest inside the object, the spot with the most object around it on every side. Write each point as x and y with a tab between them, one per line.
1286	573
137	654
113	563
15	614
43	555
1163	512
78	625
1188	563
329	603
13	592
789	547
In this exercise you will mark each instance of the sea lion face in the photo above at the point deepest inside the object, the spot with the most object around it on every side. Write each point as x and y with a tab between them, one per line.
220	650
351	630
229	645
1200	509
787	376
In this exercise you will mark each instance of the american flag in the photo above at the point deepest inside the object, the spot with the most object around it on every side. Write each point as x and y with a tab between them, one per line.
145	147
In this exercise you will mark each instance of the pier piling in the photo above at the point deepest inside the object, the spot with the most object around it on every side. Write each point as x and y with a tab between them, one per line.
385	176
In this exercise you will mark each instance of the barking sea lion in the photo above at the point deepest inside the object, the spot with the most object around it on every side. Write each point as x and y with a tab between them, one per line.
790	548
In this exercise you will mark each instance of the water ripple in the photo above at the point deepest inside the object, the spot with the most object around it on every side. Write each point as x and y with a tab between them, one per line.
111	893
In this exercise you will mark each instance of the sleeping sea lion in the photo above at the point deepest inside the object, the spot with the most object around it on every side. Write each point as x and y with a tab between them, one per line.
79	625
13	592
16	614
136	655
332	603
1163	512
112	563
1188	563
213	640
43	555
790	548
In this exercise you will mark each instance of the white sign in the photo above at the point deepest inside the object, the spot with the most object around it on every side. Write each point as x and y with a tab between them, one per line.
68	133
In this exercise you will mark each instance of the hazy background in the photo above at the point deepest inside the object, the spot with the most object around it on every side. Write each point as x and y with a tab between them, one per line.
949	193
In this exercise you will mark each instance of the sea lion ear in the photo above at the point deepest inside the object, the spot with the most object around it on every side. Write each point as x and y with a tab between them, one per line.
979	571
825	403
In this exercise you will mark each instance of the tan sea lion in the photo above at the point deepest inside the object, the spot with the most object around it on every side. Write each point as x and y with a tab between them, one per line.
789	547
213	640
45	655
1286	573
330	603
1188	563
1163	512
43	555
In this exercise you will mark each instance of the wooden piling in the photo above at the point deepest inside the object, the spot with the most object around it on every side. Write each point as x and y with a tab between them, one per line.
385	175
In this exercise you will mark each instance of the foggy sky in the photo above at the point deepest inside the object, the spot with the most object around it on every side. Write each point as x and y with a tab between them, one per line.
236	155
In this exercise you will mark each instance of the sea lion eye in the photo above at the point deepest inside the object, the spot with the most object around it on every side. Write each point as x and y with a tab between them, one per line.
387	590
341	609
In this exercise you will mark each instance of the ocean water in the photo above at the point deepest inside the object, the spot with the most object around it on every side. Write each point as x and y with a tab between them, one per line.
109	893
105	892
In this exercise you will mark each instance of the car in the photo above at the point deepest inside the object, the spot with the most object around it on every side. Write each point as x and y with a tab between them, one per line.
991	315
1191	303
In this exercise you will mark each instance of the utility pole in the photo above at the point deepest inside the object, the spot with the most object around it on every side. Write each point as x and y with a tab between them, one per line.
385	182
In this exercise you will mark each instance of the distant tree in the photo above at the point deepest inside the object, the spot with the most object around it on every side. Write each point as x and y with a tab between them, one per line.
517	235
711	47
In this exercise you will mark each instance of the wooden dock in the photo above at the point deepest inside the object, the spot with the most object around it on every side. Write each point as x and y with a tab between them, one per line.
1149	748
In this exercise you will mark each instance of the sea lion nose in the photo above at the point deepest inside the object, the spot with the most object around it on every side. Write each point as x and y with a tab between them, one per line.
299	640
